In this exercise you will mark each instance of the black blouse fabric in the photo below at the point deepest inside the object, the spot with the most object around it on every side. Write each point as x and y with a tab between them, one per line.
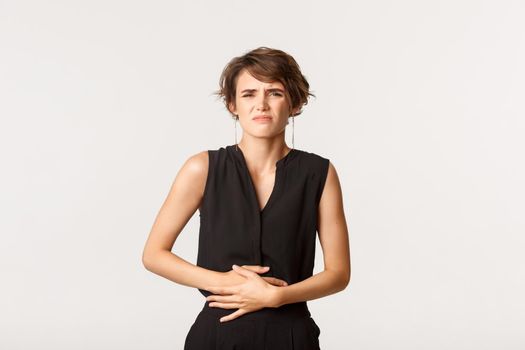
233	228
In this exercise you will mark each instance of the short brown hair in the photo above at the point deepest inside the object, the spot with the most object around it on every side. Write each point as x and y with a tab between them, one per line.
266	64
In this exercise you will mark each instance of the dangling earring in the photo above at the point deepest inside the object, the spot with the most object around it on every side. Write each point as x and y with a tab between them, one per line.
235	121
293	127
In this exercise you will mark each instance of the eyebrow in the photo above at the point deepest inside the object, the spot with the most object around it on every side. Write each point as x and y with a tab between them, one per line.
271	89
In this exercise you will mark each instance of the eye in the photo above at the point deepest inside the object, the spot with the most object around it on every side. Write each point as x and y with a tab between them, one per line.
276	93
248	95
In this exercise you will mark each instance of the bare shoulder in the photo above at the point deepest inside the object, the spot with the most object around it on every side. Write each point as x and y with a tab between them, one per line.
332	176
196	165
331	196
194	172
332	173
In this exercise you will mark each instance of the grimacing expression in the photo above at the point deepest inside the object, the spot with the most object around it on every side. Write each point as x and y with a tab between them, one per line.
255	98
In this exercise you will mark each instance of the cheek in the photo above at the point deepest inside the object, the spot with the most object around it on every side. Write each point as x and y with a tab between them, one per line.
245	103
283	107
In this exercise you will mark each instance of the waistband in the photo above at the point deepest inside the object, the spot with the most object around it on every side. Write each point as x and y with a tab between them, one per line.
283	313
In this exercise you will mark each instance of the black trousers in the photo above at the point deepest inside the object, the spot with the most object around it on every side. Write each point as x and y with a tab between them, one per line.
289	327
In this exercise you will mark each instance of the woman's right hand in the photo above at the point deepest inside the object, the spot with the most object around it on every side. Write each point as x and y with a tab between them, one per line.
231	277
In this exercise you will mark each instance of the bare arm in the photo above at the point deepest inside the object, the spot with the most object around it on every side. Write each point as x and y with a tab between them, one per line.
181	203
333	236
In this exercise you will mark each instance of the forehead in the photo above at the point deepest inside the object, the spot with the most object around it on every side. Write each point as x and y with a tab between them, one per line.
246	80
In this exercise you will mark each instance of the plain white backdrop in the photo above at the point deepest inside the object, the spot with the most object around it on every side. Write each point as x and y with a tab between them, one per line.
419	107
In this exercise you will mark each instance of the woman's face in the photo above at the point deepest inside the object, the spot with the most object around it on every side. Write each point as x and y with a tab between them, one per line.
256	98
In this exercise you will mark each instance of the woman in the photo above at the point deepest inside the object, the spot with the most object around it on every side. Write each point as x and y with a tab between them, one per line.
261	204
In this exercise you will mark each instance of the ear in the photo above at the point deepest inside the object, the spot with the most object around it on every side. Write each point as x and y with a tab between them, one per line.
232	108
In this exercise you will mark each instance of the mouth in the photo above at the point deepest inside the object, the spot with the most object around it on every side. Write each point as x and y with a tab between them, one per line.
262	117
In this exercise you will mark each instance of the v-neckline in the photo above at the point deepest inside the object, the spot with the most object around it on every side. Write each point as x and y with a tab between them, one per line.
277	178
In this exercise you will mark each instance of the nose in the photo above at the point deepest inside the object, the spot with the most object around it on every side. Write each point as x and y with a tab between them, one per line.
262	103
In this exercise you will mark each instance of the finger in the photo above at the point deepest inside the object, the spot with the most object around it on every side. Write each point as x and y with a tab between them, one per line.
225	305
256	268
275	281
279	282
222	298
283	283
270	280
244	272
232	316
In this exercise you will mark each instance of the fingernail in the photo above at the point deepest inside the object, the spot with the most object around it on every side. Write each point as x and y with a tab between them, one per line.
234	266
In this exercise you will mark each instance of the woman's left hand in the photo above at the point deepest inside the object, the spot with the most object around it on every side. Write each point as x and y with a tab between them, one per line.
252	295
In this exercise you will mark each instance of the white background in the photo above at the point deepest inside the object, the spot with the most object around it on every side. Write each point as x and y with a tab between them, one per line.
419	107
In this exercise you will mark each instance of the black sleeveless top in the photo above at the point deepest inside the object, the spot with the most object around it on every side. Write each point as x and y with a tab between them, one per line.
233	229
